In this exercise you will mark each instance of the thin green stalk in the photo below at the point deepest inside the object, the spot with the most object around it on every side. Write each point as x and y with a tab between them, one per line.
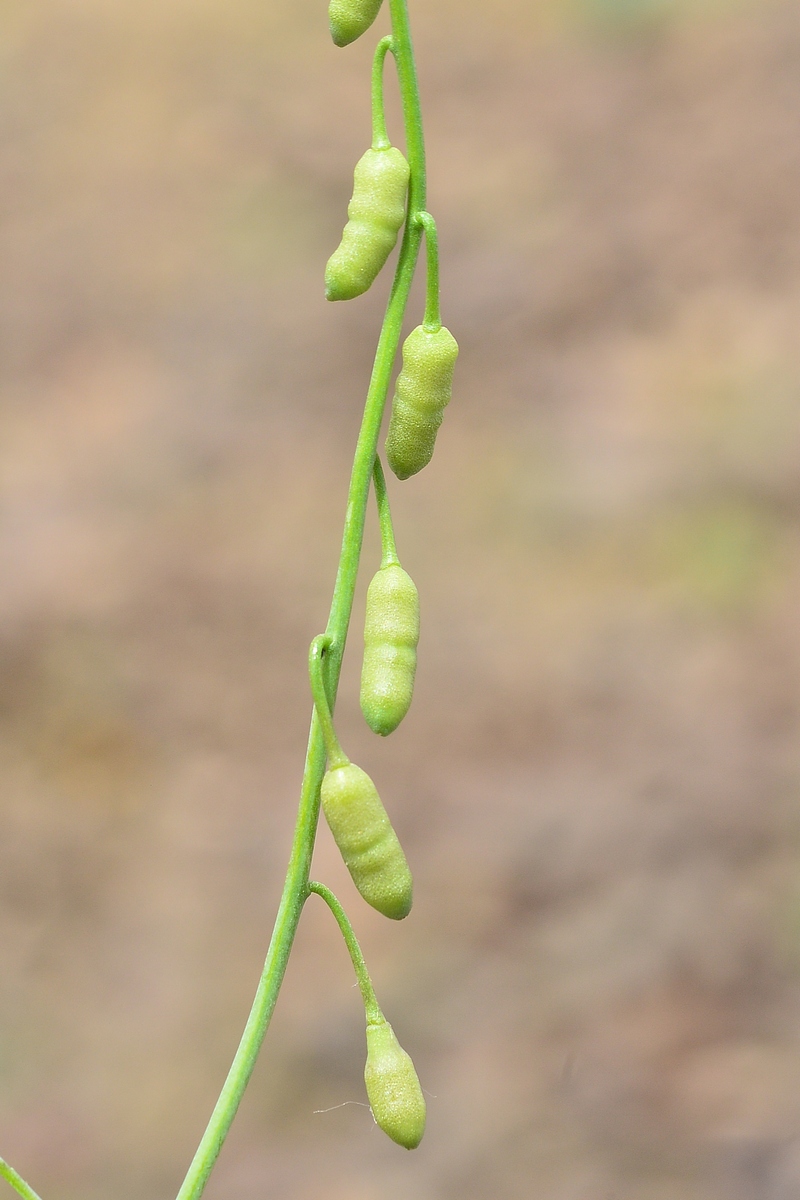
388	547
432	321
412	115
316	653
17	1182
380	138
373	1009
295	889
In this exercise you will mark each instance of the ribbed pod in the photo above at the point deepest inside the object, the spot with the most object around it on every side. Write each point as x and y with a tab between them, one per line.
391	633
368	843
375	215
393	1089
423	390
350	18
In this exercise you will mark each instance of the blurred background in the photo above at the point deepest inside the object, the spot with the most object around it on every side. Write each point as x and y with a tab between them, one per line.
598	785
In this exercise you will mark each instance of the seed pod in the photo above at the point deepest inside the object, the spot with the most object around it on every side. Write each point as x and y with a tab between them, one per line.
391	633
368	844
350	18
395	1095
422	393
375	214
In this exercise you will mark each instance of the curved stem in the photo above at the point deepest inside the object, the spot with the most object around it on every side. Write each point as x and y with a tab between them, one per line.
295	888
336	755
432	320
17	1182
388	547
380	138
373	1009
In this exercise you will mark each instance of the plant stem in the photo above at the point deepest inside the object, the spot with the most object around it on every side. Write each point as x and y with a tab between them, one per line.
412	116
319	647
380	138
388	547
17	1182
432	321
295	889
373	1009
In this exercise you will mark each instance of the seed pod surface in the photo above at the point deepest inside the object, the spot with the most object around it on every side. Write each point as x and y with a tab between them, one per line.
391	633
350	18
395	1095
368	844
375	214
422	392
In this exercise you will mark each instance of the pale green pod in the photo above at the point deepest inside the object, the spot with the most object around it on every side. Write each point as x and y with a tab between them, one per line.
375	215
393	1089
368	844
350	18
422	393
391	633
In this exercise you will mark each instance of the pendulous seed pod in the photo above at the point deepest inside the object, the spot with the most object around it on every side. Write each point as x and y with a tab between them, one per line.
368	843
391	633
393	1089
375	215
422	393
350	18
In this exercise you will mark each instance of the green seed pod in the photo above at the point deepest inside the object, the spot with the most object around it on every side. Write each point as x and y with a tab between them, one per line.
422	393
368	844
395	1095
350	18
391	633
375	214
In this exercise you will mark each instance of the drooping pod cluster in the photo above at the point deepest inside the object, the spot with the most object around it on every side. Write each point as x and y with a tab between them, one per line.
367	842
353	809
391	633
356	817
350	18
375	215
349	799
422	393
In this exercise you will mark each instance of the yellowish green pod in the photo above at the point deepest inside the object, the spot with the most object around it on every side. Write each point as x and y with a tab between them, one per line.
350	18
391	633
393	1089
368	844
375	215
422	393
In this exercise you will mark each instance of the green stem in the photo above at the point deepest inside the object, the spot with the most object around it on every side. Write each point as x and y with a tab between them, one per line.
432	321
373	1009
380	138
412	116
295	889
388	547
316	653
17	1182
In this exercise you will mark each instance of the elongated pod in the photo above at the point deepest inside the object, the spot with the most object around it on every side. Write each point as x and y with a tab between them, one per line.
350	18
423	391
393	1089
391	633
375	215
368	844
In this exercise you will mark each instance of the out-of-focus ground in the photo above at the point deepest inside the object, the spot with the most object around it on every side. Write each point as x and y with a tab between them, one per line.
598	785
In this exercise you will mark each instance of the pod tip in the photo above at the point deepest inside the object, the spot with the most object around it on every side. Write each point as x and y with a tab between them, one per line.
341	36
